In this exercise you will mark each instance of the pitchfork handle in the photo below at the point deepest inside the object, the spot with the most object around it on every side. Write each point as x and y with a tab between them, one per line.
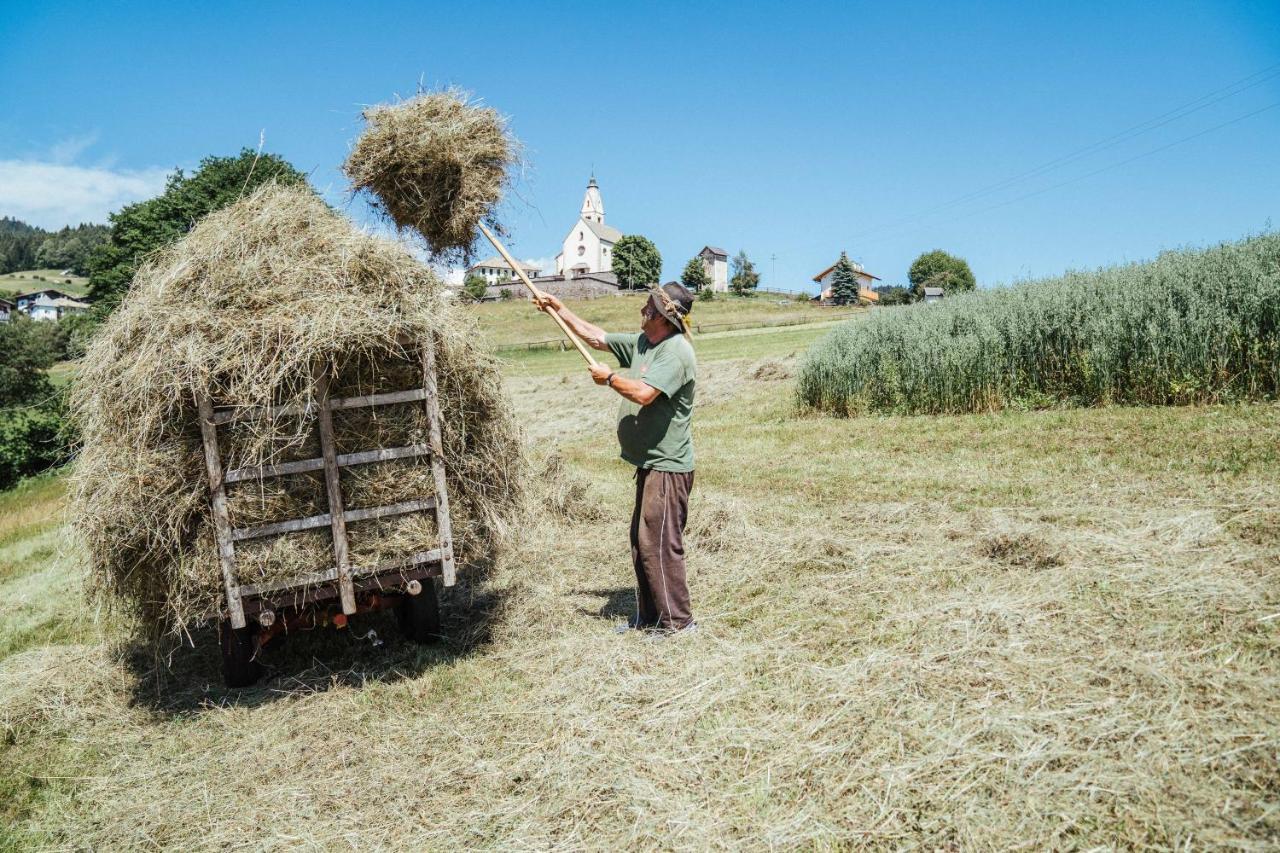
564	327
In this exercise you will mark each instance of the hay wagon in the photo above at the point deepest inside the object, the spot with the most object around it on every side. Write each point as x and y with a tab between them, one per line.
257	613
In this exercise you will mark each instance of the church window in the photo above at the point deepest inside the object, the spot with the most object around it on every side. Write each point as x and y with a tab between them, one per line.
579	235
582	250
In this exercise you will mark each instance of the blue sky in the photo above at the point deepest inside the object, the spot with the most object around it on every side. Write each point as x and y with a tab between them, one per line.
792	130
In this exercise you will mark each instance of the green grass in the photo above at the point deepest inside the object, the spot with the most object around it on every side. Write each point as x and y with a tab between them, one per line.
40	579
507	323
1188	327
26	281
713	346
1041	629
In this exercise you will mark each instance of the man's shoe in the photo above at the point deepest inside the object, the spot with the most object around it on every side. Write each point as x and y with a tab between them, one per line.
630	625
664	633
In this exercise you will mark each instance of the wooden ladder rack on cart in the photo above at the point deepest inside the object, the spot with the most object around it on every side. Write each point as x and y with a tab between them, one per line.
342	578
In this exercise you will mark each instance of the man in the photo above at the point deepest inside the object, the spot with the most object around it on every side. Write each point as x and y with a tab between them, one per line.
653	432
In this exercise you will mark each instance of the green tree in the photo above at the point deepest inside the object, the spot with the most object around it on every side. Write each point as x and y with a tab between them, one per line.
475	286
940	269
636	261
893	294
844	282
140	229
34	433
743	277
695	276
26	351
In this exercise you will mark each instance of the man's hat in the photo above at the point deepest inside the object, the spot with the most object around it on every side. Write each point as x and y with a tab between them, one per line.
674	301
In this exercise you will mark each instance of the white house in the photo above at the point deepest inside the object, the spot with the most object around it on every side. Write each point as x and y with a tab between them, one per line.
588	247
716	263
6	309
495	270
46	307
866	293
933	294
26	300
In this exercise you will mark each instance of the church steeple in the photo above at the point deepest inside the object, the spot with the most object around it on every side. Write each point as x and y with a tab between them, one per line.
592	203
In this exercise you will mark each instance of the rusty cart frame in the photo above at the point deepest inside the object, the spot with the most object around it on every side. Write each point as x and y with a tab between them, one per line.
305	600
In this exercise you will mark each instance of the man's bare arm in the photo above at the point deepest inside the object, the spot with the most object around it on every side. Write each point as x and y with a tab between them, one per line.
592	334
635	390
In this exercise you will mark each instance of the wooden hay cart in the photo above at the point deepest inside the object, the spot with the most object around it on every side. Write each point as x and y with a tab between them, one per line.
256	613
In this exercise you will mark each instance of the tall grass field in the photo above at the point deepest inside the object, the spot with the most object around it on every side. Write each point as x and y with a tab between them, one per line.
1192	326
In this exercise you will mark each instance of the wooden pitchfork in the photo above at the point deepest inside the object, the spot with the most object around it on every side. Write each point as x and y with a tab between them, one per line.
506	256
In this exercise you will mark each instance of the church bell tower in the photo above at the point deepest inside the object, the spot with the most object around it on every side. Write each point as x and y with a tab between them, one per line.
592	203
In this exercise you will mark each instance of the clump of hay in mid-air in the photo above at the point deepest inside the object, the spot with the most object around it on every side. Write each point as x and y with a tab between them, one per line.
436	163
246	306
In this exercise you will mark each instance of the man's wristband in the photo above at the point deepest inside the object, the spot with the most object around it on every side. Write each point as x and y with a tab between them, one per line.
609	381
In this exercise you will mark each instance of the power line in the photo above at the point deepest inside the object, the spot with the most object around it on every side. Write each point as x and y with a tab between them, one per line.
1190	107
1117	165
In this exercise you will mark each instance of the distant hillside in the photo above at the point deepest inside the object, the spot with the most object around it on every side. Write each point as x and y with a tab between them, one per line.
27	247
25	281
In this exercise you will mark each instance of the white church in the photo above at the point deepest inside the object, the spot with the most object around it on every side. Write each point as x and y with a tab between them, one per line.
588	247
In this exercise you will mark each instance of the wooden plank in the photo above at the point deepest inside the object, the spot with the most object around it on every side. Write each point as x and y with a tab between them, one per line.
221	520
303	580
443	524
301	597
313	578
293	525
411	396
297	525
364	457
402	508
223	416
257	472
338	521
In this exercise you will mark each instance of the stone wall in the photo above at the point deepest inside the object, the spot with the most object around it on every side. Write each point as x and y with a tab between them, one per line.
574	288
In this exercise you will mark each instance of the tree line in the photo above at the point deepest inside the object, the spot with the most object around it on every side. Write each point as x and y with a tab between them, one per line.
28	247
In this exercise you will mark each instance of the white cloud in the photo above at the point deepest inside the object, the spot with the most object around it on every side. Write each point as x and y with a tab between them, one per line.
546	265
52	195
69	150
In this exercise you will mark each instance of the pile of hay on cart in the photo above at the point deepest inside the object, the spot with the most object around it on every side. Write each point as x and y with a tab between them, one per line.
255	299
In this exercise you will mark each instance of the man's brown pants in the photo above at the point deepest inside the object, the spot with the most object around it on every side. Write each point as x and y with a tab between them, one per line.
657	548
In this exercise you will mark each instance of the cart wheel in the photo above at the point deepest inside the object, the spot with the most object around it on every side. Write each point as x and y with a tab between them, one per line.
239	669
419	615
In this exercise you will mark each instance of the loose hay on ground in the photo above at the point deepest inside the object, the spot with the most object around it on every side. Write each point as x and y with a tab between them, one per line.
245	307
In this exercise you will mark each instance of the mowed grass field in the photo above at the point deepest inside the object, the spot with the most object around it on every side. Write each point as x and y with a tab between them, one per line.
1045	630
11	284
510	322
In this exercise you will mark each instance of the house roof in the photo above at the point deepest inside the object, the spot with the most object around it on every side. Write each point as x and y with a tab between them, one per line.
715	250
68	302
819	276
55	294
604	232
4	301
933	291
496	261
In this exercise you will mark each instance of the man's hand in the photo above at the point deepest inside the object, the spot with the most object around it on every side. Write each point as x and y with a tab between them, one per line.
547	302
600	373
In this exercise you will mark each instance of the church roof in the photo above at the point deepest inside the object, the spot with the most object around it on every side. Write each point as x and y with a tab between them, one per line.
604	232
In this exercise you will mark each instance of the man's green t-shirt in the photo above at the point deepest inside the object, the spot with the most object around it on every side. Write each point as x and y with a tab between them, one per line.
657	436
